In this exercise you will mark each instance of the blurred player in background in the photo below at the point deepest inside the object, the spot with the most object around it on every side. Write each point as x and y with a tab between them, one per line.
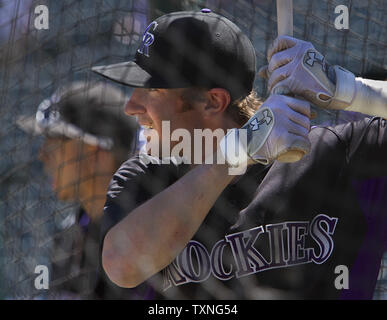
281	229
87	137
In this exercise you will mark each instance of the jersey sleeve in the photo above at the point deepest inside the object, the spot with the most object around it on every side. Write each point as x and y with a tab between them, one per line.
136	181
366	146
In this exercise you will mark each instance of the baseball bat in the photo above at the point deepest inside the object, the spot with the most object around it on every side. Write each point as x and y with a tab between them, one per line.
285	27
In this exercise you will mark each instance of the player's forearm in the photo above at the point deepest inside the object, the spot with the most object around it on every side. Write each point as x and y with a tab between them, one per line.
370	97
153	234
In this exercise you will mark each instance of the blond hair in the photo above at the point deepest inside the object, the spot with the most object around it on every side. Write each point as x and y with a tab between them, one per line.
243	109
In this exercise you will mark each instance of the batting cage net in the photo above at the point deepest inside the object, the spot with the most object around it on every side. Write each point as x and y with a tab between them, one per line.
50	156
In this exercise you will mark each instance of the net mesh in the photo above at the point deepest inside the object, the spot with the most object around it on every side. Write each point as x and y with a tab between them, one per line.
38	229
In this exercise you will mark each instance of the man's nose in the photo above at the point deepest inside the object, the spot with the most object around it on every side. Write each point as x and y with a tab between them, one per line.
135	106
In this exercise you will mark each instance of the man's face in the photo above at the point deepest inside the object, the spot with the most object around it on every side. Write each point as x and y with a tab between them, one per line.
152	106
62	162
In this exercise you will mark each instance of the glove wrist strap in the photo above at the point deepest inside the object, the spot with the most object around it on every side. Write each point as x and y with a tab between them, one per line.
345	88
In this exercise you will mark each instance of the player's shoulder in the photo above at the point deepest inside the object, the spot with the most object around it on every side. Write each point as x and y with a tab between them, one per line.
347	130
144	174
143	162
144	166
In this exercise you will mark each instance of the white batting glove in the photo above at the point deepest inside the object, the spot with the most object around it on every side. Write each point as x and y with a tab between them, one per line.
281	124
298	67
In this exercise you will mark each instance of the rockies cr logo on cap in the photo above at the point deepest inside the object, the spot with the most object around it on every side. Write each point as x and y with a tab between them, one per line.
147	39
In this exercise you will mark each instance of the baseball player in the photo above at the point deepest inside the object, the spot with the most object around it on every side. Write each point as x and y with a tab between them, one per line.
280	229
87	137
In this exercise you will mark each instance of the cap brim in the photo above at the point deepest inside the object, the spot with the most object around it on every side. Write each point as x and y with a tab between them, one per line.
127	73
30	125
62	129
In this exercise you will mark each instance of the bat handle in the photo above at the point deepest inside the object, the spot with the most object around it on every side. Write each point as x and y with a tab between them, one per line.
292	155
285	27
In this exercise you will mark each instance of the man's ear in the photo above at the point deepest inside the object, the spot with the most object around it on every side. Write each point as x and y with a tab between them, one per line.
219	99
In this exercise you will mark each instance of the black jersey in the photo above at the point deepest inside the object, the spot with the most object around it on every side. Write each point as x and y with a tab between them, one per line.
280	231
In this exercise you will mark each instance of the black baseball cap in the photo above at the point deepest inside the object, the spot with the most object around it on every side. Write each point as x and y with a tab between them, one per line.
89	111
184	49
